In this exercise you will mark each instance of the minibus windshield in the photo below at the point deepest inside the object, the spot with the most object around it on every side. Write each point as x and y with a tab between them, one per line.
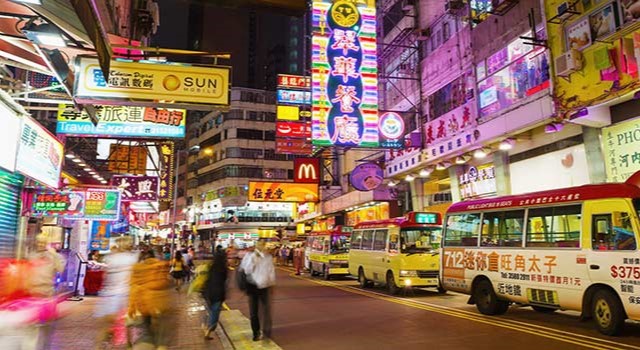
420	240
339	244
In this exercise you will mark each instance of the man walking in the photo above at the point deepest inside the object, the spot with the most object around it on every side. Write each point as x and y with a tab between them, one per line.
261	276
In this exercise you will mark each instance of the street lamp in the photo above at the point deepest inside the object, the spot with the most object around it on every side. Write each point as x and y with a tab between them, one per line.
191	150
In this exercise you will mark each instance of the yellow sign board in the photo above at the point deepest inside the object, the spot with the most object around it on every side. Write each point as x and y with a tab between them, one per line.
282	192
152	82
620	144
288	113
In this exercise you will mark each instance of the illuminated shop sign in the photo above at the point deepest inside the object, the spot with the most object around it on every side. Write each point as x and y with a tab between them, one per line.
137	188
40	154
392	130
306	170
293	129
282	192
288	81
90	204
345	85
294	97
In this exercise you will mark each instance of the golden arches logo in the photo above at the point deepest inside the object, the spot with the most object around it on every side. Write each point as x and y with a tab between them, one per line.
307	172
345	13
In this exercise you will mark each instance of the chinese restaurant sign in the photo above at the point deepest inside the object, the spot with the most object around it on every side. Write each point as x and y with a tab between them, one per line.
127	159
621	150
123	121
151	82
102	205
137	188
64	204
282	192
288	81
100	235
453	131
39	154
344	66
167	154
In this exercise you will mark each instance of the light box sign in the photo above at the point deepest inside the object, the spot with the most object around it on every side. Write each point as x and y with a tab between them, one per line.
306	170
453	131
137	188
39	154
294	97
621	157
288	81
151	82
282	192
100	235
392	130
102	205
288	113
53	204
293	146
165	189
344	80
366	177
9	134
123	121
293	129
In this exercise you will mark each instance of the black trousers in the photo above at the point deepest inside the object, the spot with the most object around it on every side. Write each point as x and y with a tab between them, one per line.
260	310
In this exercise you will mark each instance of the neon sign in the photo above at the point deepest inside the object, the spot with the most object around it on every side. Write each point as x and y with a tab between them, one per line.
345	83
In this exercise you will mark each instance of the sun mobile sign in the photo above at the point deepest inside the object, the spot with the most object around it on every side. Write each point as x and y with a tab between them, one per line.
344	81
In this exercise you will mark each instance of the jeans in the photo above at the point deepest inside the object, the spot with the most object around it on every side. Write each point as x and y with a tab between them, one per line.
260	307
213	314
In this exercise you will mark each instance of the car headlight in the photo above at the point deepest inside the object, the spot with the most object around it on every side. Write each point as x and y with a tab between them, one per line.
408	273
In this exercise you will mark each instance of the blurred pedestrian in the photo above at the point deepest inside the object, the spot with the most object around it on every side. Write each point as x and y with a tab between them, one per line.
189	262
150	299
178	269
215	289
298	258
260	277
115	290
284	254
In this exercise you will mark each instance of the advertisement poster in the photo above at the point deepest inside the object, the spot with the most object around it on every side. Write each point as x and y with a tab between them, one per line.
630	10
9	134
366	177
477	182
294	97
40	154
579	34
100	235
603	22
282	192
497	60
123	121
64	204
151	82
102	205
137	188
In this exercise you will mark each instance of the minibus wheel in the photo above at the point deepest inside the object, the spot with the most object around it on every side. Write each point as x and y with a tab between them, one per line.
391	284
362	280
608	313
487	301
327	276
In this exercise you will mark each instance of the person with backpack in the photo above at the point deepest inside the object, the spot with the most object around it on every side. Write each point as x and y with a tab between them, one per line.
178	269
257	276
215	289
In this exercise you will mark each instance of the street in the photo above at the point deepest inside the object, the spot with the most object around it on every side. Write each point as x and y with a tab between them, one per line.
310	313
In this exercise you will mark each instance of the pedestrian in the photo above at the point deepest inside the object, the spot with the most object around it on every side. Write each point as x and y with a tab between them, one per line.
189	258
298	258
260	277
290	256
276	254
284	254
166	253
178	268
114	295
215	289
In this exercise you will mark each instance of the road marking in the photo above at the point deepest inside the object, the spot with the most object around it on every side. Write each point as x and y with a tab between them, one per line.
542	331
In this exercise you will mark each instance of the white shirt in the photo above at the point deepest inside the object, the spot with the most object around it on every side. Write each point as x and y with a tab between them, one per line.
259	269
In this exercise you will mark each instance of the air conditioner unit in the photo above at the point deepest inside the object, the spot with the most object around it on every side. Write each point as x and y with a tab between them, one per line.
453	6
424	34
568	62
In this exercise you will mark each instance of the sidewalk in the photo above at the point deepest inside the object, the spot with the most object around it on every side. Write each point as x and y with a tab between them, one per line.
75	332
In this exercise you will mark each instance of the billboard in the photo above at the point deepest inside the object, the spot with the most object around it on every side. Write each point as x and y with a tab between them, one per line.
123	121
344	74
288	81
151	82
102	205
39	154
63	204
137	188
167	153
366	177
282	192
294	97
293	129
306	170
126	159
293	146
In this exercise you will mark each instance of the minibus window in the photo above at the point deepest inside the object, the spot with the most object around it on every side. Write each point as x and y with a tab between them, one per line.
339	244
462	230
502	229
613	232
554	227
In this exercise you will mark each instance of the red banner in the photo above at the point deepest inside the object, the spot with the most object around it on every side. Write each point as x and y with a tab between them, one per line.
294	81
293	146
293	129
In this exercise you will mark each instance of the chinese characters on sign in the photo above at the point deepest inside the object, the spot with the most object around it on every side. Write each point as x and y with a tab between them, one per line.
293	146
65	204
475	182
127	159
621	153
294	81
452	131
137	188
40	154
282	192
293	129
294	97
123	121
102	205
344	89
167	153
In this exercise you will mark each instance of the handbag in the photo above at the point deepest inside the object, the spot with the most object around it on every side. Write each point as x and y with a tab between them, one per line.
241	279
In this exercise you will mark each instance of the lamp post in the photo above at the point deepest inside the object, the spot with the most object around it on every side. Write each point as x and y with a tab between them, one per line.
175	193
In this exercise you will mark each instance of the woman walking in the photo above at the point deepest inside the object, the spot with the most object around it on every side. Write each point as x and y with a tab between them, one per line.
178	268
215	289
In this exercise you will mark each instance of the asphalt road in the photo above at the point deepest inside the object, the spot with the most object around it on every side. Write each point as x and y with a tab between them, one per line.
310	313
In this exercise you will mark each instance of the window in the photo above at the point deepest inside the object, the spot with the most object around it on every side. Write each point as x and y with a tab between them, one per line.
270	135
249	134
613	232
367	240
462	230
234	152
356	240
420	240
446	31
554	227
380	240
502	229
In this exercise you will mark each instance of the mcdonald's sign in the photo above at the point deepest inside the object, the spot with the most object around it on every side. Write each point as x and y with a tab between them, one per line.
306	170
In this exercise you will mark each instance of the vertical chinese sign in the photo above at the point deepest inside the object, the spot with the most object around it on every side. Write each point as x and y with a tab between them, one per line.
345	74
165	191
